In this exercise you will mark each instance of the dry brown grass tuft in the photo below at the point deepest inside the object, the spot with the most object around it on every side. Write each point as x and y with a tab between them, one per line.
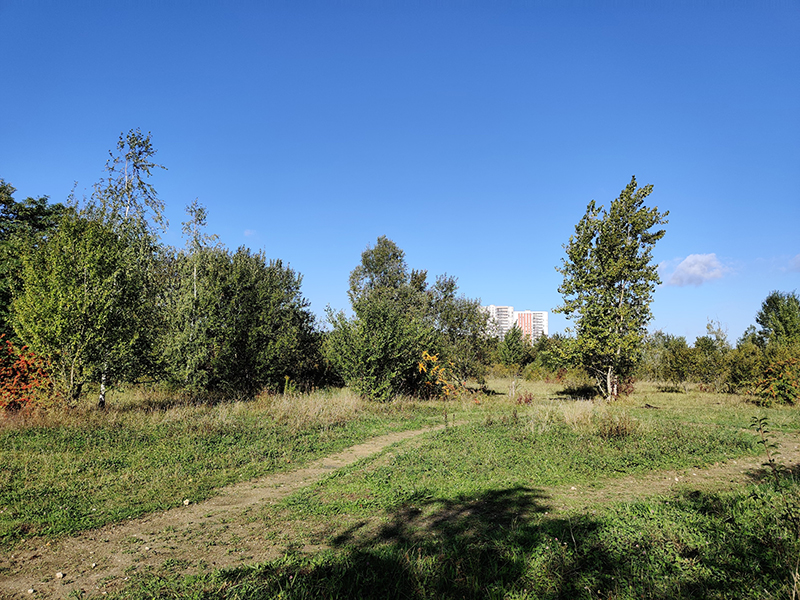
579	414
323	408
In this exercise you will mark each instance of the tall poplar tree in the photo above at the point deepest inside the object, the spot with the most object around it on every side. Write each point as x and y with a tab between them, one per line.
609	280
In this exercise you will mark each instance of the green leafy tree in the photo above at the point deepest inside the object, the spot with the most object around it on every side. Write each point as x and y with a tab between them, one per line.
745	362
710	362
89	294
377	353
511	351
22	225
237	322
460	327
779	319
666	358
396	318
85	304
383	269
267	327
652	356
609	280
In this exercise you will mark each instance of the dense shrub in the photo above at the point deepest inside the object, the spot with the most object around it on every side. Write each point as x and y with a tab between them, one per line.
237	323
745	366
781	382
378	352
22	375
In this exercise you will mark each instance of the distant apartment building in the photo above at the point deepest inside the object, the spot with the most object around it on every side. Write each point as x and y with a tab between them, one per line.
501	319
533	323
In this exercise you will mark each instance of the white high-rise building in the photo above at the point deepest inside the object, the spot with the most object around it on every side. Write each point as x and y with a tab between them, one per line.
502	318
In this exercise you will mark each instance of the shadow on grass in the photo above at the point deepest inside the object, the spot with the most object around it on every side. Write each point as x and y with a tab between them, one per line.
505	544
430	548
578	392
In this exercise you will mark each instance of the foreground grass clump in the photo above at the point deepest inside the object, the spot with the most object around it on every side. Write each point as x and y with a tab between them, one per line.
505	544
62	472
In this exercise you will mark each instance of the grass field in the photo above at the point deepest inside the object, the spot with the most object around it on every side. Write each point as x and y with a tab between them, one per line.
64	472
525	494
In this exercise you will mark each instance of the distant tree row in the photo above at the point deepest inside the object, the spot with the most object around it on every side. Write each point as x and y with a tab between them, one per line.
100	301
765	361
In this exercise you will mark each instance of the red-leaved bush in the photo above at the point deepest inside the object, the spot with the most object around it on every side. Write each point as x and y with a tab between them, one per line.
22	375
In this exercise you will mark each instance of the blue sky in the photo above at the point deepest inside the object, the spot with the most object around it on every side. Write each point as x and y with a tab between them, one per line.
471	133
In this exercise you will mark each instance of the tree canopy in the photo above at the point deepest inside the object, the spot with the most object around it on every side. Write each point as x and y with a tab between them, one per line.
779	319
609	280
22	226
104	301
398	319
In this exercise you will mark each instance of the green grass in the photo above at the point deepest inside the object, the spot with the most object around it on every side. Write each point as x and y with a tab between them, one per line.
503	544
466	512
66	472
465	462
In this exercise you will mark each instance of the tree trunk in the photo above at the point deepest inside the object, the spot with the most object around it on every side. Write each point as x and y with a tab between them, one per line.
101	403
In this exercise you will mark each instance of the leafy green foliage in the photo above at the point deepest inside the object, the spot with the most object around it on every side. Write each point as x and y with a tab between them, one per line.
237	323
710	360
87	303
377	353
398	317
512	350
552	358
779	318
22	225
745	365
609	282
676	367
459	326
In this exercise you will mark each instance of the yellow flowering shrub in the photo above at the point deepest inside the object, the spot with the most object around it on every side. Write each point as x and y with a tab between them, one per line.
440	381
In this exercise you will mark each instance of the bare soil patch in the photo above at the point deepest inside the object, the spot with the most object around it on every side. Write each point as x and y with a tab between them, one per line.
223	531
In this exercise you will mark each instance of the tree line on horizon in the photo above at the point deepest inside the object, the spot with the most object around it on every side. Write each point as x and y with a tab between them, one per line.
91	298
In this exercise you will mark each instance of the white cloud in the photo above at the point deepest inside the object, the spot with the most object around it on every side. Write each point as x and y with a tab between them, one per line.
696	269
249	232
794	263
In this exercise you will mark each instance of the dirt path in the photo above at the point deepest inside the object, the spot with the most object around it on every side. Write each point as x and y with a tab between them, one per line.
221	532
725	475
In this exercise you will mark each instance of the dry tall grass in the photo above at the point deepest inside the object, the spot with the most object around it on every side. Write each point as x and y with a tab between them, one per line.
323	408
